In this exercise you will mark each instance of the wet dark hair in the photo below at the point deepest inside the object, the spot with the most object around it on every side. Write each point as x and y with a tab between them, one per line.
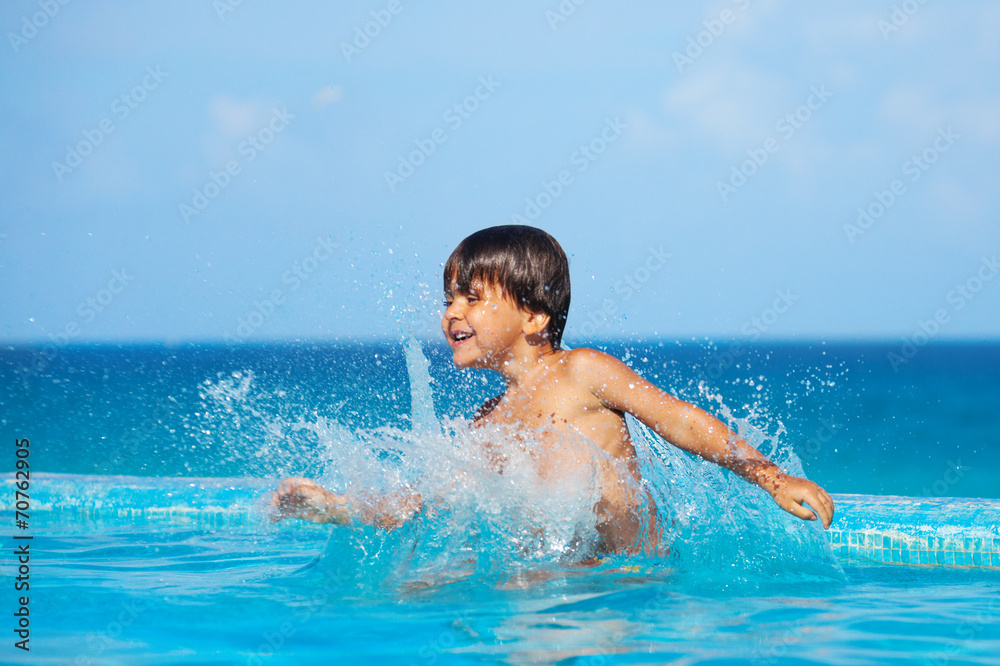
526	263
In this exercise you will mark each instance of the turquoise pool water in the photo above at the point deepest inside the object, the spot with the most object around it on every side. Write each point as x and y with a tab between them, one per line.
151	544
133	570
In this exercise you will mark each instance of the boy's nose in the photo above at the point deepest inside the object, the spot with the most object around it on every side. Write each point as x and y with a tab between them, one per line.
451	312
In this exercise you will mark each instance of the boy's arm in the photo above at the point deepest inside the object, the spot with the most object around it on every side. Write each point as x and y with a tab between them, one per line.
692	429
306	499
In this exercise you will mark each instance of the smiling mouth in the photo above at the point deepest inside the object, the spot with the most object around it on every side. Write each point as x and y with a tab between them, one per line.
461	336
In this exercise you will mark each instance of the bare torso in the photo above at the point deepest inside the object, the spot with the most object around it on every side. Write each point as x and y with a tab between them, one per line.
557	409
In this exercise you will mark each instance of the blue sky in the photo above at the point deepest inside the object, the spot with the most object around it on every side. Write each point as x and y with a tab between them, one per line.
178	171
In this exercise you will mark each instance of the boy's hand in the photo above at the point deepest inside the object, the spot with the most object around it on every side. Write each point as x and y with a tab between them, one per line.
306	499
389	511
789	492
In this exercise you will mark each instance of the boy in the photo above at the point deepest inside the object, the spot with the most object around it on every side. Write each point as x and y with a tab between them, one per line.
507	294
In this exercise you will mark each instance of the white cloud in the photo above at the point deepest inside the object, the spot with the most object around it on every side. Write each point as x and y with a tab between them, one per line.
734	106
326	96
232	121
233	118
919	110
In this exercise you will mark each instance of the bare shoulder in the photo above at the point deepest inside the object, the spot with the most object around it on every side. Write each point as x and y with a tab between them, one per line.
487	407
592	366
611	381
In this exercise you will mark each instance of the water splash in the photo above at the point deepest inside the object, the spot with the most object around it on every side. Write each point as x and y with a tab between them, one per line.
497	527
422	416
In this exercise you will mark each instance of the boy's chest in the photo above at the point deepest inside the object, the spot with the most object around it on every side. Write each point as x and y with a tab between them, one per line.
551	414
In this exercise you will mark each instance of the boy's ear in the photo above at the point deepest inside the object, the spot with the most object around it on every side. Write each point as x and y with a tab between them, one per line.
536	323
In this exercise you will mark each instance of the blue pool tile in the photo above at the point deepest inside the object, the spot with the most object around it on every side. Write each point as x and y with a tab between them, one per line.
895	555
905	556
977	559
995	559
940	556
949	557
924	558
878	554
835	537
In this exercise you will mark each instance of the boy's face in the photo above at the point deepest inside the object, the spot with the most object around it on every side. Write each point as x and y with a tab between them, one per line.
482	325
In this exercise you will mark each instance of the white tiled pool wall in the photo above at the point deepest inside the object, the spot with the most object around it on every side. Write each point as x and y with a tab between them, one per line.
890	547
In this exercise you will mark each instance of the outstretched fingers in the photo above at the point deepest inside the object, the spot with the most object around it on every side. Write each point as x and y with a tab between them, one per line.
823	506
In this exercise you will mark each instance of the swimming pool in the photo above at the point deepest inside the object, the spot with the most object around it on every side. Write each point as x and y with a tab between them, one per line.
173	560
